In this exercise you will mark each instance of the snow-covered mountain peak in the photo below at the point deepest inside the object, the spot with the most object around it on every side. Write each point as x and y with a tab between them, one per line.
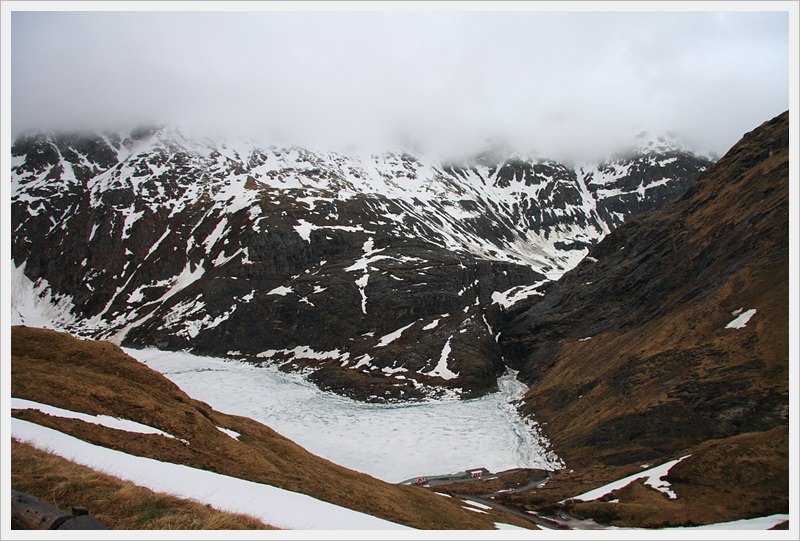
669	142
170	237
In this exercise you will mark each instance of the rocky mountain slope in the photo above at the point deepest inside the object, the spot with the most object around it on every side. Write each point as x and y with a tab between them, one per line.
674	330
333	262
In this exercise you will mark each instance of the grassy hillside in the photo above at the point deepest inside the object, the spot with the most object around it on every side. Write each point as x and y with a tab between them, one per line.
119	505
632	359
99	378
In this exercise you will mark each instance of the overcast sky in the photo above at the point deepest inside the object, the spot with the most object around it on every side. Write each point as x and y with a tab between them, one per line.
538	80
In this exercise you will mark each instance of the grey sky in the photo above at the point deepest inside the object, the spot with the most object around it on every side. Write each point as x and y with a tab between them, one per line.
540	80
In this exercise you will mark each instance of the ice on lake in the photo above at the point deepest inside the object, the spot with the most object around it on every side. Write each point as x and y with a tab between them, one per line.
393	442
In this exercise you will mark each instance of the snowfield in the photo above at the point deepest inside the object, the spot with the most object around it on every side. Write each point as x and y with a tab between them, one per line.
391	442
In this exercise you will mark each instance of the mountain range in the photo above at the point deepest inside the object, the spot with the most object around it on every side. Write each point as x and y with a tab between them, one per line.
320	261
643	299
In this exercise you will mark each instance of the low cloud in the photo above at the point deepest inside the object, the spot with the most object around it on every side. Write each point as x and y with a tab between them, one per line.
546	81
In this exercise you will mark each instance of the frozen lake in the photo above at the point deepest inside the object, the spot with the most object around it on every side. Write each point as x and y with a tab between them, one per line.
392	442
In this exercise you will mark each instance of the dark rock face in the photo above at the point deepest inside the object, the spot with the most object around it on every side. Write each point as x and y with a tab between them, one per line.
385	275
634	354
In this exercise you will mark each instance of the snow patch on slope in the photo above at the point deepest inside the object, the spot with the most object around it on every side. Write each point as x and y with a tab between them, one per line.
741	318
441	370
35	305
275	506
102	420
510	297
653	479
392	336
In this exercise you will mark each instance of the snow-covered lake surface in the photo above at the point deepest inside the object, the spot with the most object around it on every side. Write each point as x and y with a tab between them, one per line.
392	442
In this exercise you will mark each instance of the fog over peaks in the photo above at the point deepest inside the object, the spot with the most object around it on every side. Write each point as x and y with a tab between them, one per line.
450	81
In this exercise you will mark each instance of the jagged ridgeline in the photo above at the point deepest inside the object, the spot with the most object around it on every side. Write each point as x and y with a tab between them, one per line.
388	274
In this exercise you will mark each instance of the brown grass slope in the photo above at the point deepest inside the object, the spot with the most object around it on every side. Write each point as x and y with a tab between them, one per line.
97	377
660	373
726	479
118	505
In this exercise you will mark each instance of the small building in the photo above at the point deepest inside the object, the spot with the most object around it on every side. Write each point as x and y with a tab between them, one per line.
476	473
